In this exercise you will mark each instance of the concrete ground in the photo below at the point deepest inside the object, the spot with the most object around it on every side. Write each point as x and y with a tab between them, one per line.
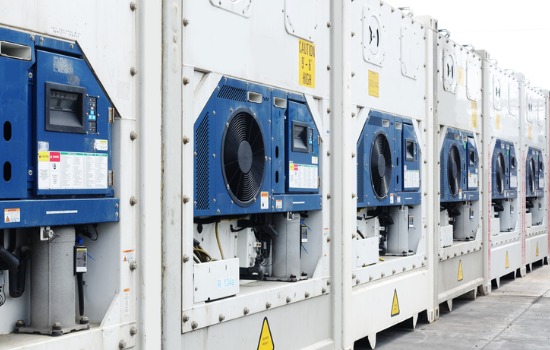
515	316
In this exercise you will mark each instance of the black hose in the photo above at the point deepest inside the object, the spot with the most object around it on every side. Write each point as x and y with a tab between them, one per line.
18	276
8	259
80	283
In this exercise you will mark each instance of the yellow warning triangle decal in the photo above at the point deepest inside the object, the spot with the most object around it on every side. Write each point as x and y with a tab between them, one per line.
460	276
266	341
507	262
537	252
8	220
395	304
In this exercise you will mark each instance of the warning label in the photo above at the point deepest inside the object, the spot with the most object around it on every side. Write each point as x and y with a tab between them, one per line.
306	63
264	202
266	340
303	175
507	261
460	276
14	215
537	251
395	304
72	170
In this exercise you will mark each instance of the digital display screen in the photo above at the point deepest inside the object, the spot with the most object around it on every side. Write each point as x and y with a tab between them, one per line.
65	108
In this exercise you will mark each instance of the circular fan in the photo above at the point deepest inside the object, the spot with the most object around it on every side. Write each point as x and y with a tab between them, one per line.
243	158
500	173
380	166
453	170
531	175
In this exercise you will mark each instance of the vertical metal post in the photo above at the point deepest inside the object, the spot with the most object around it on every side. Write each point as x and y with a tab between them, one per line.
342	148
149	102
172	178
432	157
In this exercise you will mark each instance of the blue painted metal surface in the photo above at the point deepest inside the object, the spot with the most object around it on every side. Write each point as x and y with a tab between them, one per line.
505	186
46	164
404	185
278	187
467	167
534	173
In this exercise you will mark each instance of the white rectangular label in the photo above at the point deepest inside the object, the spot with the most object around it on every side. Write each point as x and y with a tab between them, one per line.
264	203
513	181
472	179
101	145
541	183
72	170
303	176
412	178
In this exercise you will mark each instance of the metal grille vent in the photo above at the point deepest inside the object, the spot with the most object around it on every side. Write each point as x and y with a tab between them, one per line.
202	171
233	93
361	170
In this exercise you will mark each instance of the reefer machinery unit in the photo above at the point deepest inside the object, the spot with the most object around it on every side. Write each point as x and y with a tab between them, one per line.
57	179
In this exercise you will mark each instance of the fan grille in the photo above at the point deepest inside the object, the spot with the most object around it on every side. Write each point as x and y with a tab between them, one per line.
361	170
453	170
531	175
232	93
243	158
380	166
500	173
202	174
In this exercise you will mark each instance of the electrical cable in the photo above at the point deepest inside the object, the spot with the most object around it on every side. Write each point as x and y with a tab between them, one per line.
218	239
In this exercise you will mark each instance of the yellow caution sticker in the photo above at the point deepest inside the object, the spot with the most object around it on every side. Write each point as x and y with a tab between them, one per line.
507	262
461	77
537	251
266	340
43	156
460	276
306	63
497	121
395	304
530	132
374	84
474	114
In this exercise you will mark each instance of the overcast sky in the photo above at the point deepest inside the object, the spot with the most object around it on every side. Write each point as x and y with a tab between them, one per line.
515	33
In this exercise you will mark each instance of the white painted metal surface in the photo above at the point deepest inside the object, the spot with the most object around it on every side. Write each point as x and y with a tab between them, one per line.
256	42
533	121
389	75
501	107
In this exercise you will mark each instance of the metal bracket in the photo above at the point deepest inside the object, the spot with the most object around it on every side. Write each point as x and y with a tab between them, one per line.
46	233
